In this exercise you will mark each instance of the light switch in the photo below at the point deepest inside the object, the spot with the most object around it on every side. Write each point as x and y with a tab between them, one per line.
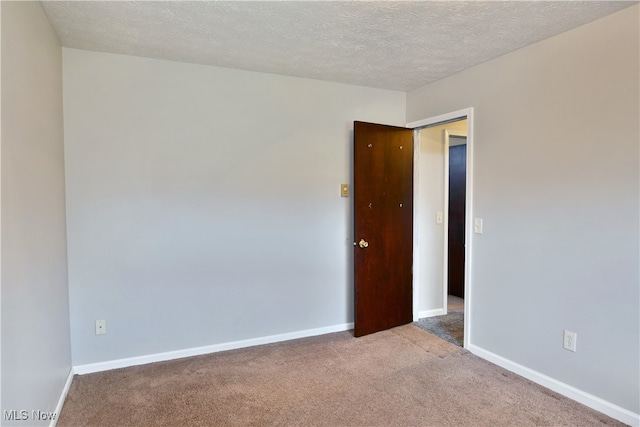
477	225
344	190
439	217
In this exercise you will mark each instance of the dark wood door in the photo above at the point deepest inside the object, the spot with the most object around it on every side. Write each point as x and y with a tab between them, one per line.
383	230
457	201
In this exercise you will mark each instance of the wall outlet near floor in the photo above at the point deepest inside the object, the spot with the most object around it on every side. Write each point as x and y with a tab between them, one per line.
101	327
569	342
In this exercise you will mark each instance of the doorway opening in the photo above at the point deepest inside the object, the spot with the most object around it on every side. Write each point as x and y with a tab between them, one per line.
455	160
443	223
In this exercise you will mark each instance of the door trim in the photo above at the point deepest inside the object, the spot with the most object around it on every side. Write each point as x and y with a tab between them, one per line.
416	125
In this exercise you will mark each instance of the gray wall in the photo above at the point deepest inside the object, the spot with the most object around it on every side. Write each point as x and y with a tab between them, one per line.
556	180
204	203
36	353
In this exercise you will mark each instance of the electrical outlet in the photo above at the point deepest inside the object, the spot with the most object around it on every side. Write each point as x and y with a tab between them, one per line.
569	342
101	327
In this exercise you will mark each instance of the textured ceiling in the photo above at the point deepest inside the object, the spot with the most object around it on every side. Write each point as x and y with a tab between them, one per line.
396	45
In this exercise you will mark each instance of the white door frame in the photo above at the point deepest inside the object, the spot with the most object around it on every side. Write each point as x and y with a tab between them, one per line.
441	119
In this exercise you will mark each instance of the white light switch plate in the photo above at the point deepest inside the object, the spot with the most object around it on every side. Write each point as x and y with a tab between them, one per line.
477	225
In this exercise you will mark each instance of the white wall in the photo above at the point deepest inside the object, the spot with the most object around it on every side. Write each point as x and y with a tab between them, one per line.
204	203
431	200
556	140
36	352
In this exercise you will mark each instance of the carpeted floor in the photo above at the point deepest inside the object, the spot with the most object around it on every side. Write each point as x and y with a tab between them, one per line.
449	327
400	377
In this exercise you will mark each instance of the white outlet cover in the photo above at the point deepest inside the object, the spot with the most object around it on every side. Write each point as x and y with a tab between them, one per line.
569	342
101	327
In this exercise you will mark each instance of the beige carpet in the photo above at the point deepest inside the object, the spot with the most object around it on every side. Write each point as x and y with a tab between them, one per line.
400	377
454	303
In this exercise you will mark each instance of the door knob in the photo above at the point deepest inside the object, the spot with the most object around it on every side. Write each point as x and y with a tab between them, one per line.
363	243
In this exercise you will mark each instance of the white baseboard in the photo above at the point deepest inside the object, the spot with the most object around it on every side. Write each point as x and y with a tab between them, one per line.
431	313
593	402
197	351
63	396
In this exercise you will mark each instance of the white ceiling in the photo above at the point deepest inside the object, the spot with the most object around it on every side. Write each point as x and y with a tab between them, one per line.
396	45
